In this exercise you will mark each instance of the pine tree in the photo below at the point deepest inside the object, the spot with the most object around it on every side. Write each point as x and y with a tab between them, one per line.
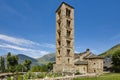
2	62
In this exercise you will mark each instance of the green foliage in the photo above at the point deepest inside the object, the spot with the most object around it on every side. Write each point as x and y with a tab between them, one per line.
46	59
110	76
43	68
116	61
27	64
77	73
20	68
111	51
20	77
49	66
12	62
8	65
56	75
34	75
30	75
41	75
36	69
8	78
2	64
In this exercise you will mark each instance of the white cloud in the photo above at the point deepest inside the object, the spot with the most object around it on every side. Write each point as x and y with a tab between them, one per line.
24	42
47	45
12	47
30	52
76	51
24	46
17	41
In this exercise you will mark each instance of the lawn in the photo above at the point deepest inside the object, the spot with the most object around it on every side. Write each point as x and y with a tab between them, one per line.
108	76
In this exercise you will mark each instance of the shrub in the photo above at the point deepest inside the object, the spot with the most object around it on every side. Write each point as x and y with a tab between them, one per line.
77	73
41	75
29	75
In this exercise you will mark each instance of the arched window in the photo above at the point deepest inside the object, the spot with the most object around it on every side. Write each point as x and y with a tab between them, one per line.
95	71
68	60
68	12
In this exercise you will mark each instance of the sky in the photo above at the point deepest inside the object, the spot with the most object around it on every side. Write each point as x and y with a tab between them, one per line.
28	26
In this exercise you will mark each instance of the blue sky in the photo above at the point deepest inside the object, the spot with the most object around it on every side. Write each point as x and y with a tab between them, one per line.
28	26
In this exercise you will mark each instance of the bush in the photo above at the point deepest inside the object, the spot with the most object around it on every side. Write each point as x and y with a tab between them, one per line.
29	75
20	77
8	78
41	75
77	73
116	61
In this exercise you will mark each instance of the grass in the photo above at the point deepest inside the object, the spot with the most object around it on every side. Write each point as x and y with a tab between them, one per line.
108	76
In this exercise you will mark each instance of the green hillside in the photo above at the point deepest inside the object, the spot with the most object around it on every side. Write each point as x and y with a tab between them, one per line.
46	58
22	57
111	51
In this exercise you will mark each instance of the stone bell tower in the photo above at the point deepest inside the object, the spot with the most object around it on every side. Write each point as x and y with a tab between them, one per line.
64	39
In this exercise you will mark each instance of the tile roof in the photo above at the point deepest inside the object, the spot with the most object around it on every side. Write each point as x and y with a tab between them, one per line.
81	62
93	56
65	4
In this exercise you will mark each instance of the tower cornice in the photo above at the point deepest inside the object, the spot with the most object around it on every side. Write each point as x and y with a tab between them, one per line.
65	4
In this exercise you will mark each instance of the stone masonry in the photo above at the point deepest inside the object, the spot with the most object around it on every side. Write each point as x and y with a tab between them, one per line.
66	60
64	39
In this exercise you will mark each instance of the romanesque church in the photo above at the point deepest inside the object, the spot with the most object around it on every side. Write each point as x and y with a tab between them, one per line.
66	59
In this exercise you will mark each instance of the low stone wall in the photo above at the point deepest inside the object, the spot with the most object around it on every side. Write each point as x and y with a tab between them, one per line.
70	77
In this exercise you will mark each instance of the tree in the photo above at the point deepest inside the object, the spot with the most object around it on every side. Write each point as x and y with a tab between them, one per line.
27	64
116	61
8	55
35	68
2	64
49	66
20	68
12	62
44	68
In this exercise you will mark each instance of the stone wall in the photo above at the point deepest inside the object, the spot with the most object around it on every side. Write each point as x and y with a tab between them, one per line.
81	68
64	53
95	66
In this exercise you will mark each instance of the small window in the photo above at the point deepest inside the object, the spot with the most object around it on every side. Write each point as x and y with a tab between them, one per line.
68	12
68	43
59	52
59	24
68	52
68	60
68	23
84	68
95	71
59	34
59	43
68	33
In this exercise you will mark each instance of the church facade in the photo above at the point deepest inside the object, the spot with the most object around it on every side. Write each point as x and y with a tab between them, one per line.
66	60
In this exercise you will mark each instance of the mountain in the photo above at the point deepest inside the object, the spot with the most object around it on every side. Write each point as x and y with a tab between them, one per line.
108	56
22	57
46	58
39	61
111	51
